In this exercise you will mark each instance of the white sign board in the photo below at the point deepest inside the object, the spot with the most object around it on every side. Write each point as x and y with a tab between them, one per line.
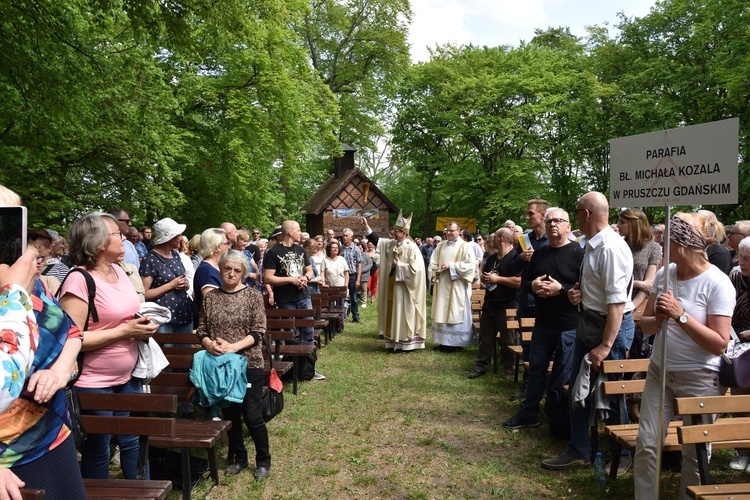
694	165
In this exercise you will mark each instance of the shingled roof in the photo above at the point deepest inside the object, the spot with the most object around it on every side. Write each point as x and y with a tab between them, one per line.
327	192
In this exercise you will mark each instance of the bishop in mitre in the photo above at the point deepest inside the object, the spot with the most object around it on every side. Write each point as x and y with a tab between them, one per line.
402	309
452	269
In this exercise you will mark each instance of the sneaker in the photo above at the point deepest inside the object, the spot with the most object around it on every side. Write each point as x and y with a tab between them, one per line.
564	461
515	423
319	376
622	466
740	462
363	305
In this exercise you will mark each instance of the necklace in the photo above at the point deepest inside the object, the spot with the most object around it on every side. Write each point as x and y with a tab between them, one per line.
107	276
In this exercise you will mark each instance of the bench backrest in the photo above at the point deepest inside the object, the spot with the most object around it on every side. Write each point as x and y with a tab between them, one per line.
727	430
176	338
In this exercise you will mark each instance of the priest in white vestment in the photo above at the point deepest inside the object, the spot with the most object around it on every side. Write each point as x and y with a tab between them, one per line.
452	269
402	291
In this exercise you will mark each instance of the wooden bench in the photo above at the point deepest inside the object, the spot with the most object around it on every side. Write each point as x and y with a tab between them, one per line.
512	325
189	434
136	424
303	318
724	433
323	319
625	435
282	331
477	301
523	328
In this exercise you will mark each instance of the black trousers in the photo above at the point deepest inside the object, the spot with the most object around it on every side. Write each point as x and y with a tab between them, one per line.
251	411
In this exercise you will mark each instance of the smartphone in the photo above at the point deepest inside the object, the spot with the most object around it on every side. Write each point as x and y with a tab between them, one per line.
137	315
13	228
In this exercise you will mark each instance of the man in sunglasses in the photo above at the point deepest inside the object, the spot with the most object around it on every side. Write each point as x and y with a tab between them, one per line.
123	223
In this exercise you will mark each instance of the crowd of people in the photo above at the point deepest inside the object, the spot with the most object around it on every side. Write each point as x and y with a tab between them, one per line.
596	293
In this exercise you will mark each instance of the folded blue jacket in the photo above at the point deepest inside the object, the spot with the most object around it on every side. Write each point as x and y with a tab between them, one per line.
219	378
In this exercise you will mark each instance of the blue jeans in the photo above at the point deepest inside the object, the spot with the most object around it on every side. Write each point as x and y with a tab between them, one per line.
95	450
578	446
353	296
306	332
175	328
545	342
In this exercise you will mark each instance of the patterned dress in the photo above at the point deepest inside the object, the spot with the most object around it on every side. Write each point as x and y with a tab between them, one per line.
29	430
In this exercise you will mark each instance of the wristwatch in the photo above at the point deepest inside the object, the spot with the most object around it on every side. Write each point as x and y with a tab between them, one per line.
682	318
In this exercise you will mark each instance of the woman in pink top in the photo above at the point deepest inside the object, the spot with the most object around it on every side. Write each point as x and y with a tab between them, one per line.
110	344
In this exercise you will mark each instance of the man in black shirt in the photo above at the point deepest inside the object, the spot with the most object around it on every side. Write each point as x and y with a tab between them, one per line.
552	271
286	267
501	287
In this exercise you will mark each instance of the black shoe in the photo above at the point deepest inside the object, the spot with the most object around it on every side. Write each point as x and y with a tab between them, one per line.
262	472
476	374
235	468
515	423
355	320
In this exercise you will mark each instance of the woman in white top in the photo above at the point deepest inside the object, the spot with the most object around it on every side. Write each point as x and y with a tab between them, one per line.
698	317
320	252
335	272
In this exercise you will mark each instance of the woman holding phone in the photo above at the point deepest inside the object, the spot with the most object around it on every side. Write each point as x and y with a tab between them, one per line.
110	344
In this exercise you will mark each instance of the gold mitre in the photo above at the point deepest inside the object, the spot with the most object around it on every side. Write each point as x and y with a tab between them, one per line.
403	224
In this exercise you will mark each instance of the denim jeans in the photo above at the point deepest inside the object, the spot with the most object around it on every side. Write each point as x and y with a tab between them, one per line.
545	342
175	328
353	296
578	445
306	332
701	382
95	450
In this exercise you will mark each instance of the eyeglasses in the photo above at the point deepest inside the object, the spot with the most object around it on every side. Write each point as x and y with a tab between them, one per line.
556	222
480	239
116	233
256	232
225	243
576	210
126	221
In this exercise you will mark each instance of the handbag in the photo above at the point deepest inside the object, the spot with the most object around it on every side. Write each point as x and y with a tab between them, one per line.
734	370
151	360
590	327
272	401
74	408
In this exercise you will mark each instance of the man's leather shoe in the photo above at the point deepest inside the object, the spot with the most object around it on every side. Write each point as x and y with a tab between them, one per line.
261	473
235	468
476	374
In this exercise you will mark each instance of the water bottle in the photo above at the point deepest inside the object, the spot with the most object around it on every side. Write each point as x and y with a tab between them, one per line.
600	475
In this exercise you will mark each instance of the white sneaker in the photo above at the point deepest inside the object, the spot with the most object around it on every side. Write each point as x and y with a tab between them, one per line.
319	376
740	462
364	305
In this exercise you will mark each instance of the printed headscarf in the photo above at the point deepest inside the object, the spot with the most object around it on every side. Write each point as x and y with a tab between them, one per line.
686	235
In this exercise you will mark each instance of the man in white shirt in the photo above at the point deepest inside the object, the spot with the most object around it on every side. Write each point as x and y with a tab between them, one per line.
604	289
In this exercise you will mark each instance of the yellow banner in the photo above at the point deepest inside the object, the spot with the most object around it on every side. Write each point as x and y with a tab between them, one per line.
469	223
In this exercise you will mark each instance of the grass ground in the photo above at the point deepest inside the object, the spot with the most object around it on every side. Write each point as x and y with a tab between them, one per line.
412	426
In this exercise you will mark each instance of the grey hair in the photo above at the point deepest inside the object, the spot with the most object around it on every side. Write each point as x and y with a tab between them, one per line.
211	239
237	258
555	209
347	230
744	245
88	236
